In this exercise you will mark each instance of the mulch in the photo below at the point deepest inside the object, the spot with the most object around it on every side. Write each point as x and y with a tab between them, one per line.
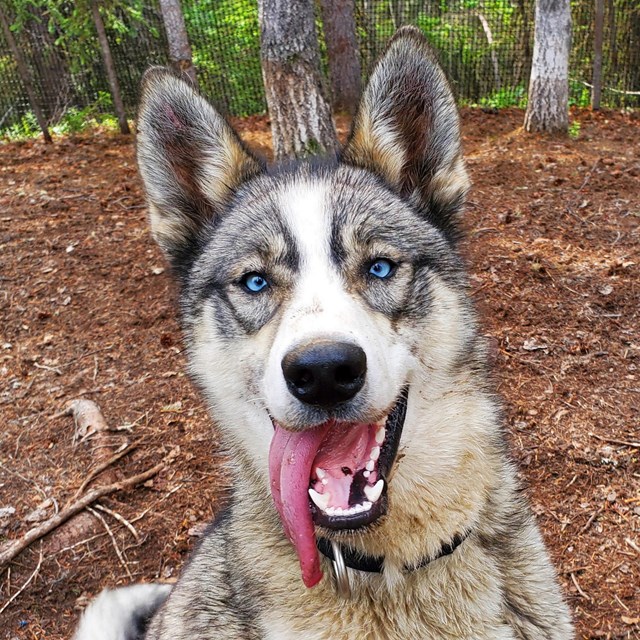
87	310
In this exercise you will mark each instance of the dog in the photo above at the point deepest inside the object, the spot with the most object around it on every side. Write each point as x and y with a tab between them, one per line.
328	323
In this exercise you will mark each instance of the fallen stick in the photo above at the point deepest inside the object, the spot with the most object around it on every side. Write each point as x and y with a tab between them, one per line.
9	551
105	465
624	443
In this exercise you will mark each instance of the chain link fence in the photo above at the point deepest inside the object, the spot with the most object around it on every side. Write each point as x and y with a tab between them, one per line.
485	47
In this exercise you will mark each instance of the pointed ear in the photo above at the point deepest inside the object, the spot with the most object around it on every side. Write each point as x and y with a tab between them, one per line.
407	130
190	159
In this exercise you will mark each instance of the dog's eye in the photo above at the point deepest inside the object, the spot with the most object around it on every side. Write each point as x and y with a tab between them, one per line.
382	268
254	282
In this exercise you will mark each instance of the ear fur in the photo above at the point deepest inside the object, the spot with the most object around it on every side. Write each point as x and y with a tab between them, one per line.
407	130
190	159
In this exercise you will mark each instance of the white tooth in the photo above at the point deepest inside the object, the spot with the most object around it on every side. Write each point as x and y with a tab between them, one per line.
380	433
338	511
366	474
370	465
373	493
325	481
330	511
375	453
320	473
367	505
359	508
321	500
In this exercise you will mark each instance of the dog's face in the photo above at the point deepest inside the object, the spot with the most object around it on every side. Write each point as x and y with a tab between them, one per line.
323	303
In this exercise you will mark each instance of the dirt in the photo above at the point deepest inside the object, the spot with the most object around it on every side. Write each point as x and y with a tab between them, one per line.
87	310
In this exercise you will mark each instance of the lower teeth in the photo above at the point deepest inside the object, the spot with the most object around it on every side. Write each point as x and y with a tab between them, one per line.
372	493
339	511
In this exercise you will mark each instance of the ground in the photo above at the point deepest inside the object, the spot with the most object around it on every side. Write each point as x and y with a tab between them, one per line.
87	310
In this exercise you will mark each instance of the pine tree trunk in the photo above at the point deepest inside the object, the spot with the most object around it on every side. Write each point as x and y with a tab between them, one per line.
25	76
301	122
548	108
179	47
342	50
110	68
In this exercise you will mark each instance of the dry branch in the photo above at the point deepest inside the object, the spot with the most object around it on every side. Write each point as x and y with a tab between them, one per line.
624	443
9	551
104	465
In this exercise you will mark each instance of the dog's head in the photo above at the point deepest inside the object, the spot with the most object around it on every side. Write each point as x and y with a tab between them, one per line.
323	302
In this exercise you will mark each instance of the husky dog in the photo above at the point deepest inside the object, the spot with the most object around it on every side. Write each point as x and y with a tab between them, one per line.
328	324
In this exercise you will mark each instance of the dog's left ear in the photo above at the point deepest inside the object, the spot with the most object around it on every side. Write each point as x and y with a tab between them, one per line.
407	130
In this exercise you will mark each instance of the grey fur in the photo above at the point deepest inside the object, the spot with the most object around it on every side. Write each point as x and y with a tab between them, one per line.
397	193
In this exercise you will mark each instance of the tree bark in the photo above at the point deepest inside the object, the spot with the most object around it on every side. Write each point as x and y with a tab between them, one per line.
548	108
492	52
301	123
596	92
343	53
110	68
179	47
25	76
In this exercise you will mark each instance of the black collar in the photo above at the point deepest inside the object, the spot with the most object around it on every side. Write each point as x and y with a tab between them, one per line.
374	564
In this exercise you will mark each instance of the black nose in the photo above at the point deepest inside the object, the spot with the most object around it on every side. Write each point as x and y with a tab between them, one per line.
325	373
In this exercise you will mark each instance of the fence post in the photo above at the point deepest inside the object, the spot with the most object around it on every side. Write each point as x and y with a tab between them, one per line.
25	76
596	92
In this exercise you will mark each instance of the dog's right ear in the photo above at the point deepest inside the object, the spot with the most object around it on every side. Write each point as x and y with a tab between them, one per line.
190	159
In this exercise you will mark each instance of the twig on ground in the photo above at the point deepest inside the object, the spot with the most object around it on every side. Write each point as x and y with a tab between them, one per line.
86	355
594	515
580	591
119	553
121	519
107	463
624	443
77	544
632	544
47	368
25	585
10	550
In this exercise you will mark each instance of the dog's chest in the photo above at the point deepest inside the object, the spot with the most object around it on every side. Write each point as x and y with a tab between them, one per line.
412	621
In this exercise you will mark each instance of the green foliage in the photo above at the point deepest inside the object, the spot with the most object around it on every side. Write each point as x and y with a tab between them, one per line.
225	40
26	127
574	130
74	120
512	97
579	94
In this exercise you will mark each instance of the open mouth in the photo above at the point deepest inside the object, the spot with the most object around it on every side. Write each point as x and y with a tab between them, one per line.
333	475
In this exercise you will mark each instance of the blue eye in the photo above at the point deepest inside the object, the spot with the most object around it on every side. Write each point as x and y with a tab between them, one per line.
382	268
254	282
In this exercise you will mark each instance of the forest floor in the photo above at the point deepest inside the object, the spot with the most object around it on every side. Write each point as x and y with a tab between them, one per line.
87	309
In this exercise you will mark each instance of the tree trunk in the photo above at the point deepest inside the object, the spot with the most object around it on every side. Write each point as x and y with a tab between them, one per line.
492	51
301	122
25	76
114	85
596	92
342	50
548	108
179	47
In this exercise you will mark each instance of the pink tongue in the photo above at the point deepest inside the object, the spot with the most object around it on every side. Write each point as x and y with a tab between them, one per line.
290	460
